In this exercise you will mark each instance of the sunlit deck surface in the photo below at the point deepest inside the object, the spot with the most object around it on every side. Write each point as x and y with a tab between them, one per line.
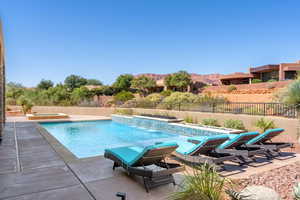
34	167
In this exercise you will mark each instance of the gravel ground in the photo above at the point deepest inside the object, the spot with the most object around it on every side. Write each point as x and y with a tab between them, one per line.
281	180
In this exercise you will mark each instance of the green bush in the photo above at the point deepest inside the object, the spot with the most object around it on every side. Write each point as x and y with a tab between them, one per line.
177	99
271	81
291	95
231	88
204	184
256	81
123	96
124	111
211	122
189	119
264	124
155	98
234	124
25	103
166	93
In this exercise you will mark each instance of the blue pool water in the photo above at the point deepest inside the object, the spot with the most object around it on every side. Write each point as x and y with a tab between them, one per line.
90	138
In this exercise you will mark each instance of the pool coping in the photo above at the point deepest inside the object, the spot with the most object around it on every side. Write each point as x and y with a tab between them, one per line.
63	151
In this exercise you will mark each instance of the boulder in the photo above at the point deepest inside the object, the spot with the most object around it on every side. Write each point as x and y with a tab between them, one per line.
259	193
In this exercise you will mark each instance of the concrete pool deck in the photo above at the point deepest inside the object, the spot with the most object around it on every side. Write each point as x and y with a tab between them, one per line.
31	168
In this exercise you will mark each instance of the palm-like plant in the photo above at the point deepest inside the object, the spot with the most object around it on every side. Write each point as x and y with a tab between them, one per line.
204	184
264	124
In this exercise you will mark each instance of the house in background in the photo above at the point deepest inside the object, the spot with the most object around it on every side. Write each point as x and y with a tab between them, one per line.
236	78
278	72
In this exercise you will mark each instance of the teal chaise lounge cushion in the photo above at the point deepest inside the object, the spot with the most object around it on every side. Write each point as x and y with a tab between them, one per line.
188	148
131	154
233	138
263	137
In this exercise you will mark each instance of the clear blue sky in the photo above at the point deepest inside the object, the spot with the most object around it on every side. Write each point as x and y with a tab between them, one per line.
52	39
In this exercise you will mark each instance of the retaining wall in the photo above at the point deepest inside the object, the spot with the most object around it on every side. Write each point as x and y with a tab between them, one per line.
290	125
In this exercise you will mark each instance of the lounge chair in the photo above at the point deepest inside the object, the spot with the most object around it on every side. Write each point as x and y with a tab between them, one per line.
203	151
142	161
265	141
236	146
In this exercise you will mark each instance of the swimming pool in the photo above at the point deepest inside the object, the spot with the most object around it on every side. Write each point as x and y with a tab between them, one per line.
90	138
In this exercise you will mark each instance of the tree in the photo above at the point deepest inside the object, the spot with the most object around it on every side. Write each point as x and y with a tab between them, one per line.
108	90
80	94
74	81
143	84
123	96
93	82
180	81
59	95
123	82
45	84
14	85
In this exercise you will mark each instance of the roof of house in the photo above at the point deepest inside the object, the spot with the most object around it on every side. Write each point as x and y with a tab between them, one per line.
237	75
264	68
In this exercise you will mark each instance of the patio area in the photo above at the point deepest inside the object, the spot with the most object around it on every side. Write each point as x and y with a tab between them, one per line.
32	168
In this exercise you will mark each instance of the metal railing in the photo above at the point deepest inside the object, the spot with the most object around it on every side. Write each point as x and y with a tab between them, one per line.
264	109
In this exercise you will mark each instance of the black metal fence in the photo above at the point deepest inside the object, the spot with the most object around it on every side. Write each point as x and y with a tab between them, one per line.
264	109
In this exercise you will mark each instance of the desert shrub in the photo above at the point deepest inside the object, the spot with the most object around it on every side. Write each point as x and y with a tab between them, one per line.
10	101
256	81
204	184
271	81
25	103
234	124
211	122
189	119
123	96
144	103
155	98
231	88
177	99
166	93
124	111
291	94
264	124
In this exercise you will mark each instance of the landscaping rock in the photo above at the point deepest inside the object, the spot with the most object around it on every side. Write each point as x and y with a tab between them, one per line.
259	193
282	180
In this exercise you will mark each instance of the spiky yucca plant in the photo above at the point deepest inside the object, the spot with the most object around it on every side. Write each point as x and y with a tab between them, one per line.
297	191
264	124
204	184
